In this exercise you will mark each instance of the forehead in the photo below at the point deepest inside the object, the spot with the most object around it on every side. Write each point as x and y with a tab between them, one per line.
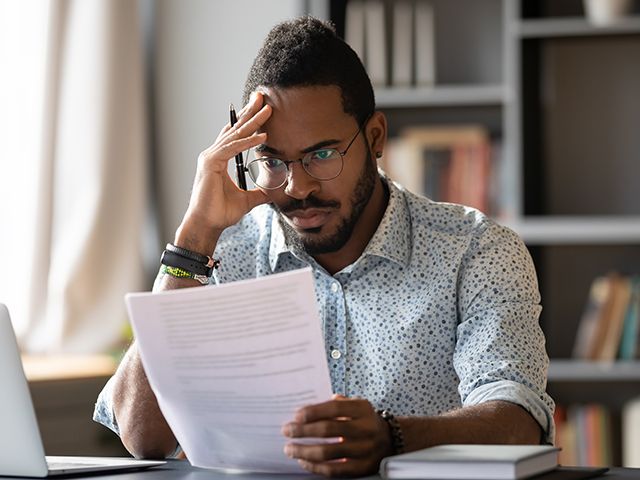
305	109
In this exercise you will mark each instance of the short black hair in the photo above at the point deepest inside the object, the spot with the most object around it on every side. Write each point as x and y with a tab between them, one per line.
307	52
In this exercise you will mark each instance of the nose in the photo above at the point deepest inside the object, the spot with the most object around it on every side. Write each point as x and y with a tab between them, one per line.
299	183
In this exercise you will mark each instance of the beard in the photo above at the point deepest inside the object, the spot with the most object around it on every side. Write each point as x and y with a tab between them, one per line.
313	243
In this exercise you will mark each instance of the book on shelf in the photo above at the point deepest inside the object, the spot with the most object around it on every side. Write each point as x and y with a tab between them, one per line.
631	434
608	329
447	163
499	462
402	45
375	43
583	432
425	44
354	27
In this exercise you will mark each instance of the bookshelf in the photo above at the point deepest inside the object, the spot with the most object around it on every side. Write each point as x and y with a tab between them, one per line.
562	96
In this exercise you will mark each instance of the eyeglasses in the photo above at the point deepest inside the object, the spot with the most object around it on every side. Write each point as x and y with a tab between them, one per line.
271	173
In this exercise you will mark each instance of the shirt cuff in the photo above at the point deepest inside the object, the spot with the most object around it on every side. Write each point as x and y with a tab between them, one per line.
517	393
103	412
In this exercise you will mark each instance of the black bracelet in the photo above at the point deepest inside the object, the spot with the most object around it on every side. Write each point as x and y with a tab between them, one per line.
183	252
397	438
188	261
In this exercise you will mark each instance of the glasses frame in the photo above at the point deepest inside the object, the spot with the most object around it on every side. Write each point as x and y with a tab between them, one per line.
289	162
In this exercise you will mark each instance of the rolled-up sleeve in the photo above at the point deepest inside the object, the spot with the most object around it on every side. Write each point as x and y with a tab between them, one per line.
103	411
500	349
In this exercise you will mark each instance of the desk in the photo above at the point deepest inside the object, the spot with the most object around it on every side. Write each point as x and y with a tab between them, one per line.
182	470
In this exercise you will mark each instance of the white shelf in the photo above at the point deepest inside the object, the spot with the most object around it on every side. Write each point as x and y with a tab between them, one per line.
577	230
574	27
440	95
584	371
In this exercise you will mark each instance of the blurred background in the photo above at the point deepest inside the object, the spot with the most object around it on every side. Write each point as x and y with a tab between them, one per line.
528	110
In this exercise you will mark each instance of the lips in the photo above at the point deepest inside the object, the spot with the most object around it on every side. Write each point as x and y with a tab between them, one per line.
307	219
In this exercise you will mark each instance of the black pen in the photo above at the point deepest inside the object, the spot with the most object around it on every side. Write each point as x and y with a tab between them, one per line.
240	178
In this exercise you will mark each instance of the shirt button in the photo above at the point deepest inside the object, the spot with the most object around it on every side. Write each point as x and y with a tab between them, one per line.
334	288
335	354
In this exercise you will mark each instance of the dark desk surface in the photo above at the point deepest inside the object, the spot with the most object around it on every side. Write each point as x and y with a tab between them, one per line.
182	470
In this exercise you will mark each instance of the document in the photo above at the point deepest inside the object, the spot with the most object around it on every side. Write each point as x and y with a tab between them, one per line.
230	365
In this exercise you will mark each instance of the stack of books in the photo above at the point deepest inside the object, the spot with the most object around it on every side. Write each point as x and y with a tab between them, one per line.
448	163
584	434
408	35
608	329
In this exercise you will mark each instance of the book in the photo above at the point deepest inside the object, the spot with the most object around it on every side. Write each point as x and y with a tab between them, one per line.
629	341
472	462
588	326
631	433
425	44
615	322
354	27
402	47
375	43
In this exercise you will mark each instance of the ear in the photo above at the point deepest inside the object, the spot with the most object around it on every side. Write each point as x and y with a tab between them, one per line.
376	131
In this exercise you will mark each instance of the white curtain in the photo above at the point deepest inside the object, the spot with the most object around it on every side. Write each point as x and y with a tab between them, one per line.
77	248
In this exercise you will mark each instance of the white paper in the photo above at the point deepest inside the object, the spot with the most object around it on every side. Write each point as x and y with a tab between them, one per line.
231	364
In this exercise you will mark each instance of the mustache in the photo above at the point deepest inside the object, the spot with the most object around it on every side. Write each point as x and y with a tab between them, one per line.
309	202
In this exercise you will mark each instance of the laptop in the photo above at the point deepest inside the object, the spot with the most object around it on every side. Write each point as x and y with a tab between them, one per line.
21	449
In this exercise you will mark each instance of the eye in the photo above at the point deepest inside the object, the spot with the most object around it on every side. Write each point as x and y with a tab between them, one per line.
272	163
323	155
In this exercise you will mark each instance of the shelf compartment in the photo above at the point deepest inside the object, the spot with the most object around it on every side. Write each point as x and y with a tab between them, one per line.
571	27
577	230
583	371
441	96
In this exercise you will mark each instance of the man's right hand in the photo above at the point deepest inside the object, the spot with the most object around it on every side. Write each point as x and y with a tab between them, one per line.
216	202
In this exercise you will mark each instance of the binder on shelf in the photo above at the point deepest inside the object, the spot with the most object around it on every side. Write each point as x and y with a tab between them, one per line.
425	44
375	42
354	27
402	44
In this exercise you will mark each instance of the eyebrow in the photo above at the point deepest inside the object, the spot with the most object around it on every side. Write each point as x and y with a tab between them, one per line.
262	148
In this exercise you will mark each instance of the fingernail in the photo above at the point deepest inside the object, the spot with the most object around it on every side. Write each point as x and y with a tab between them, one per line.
288	450
287	431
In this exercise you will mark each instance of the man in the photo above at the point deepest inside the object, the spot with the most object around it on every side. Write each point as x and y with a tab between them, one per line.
429	310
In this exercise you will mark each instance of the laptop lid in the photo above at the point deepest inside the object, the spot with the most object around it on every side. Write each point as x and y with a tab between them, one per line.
21	450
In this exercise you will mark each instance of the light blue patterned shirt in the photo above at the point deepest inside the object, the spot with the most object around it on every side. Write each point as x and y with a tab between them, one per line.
440	311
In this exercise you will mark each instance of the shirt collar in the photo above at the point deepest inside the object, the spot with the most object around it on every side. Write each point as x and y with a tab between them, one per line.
392	239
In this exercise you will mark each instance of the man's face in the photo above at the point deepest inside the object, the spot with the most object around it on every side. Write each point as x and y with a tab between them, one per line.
319	216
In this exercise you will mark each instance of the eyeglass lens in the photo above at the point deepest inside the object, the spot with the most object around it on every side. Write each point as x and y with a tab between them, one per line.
272	172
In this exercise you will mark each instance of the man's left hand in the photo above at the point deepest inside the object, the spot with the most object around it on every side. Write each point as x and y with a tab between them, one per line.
364	438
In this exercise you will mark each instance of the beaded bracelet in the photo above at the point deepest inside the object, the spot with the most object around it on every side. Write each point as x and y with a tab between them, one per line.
397	438
180	273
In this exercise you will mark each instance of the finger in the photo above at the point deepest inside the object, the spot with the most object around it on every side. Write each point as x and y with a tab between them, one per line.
255	103
349	407
325	452
344	469
251	123
352	429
